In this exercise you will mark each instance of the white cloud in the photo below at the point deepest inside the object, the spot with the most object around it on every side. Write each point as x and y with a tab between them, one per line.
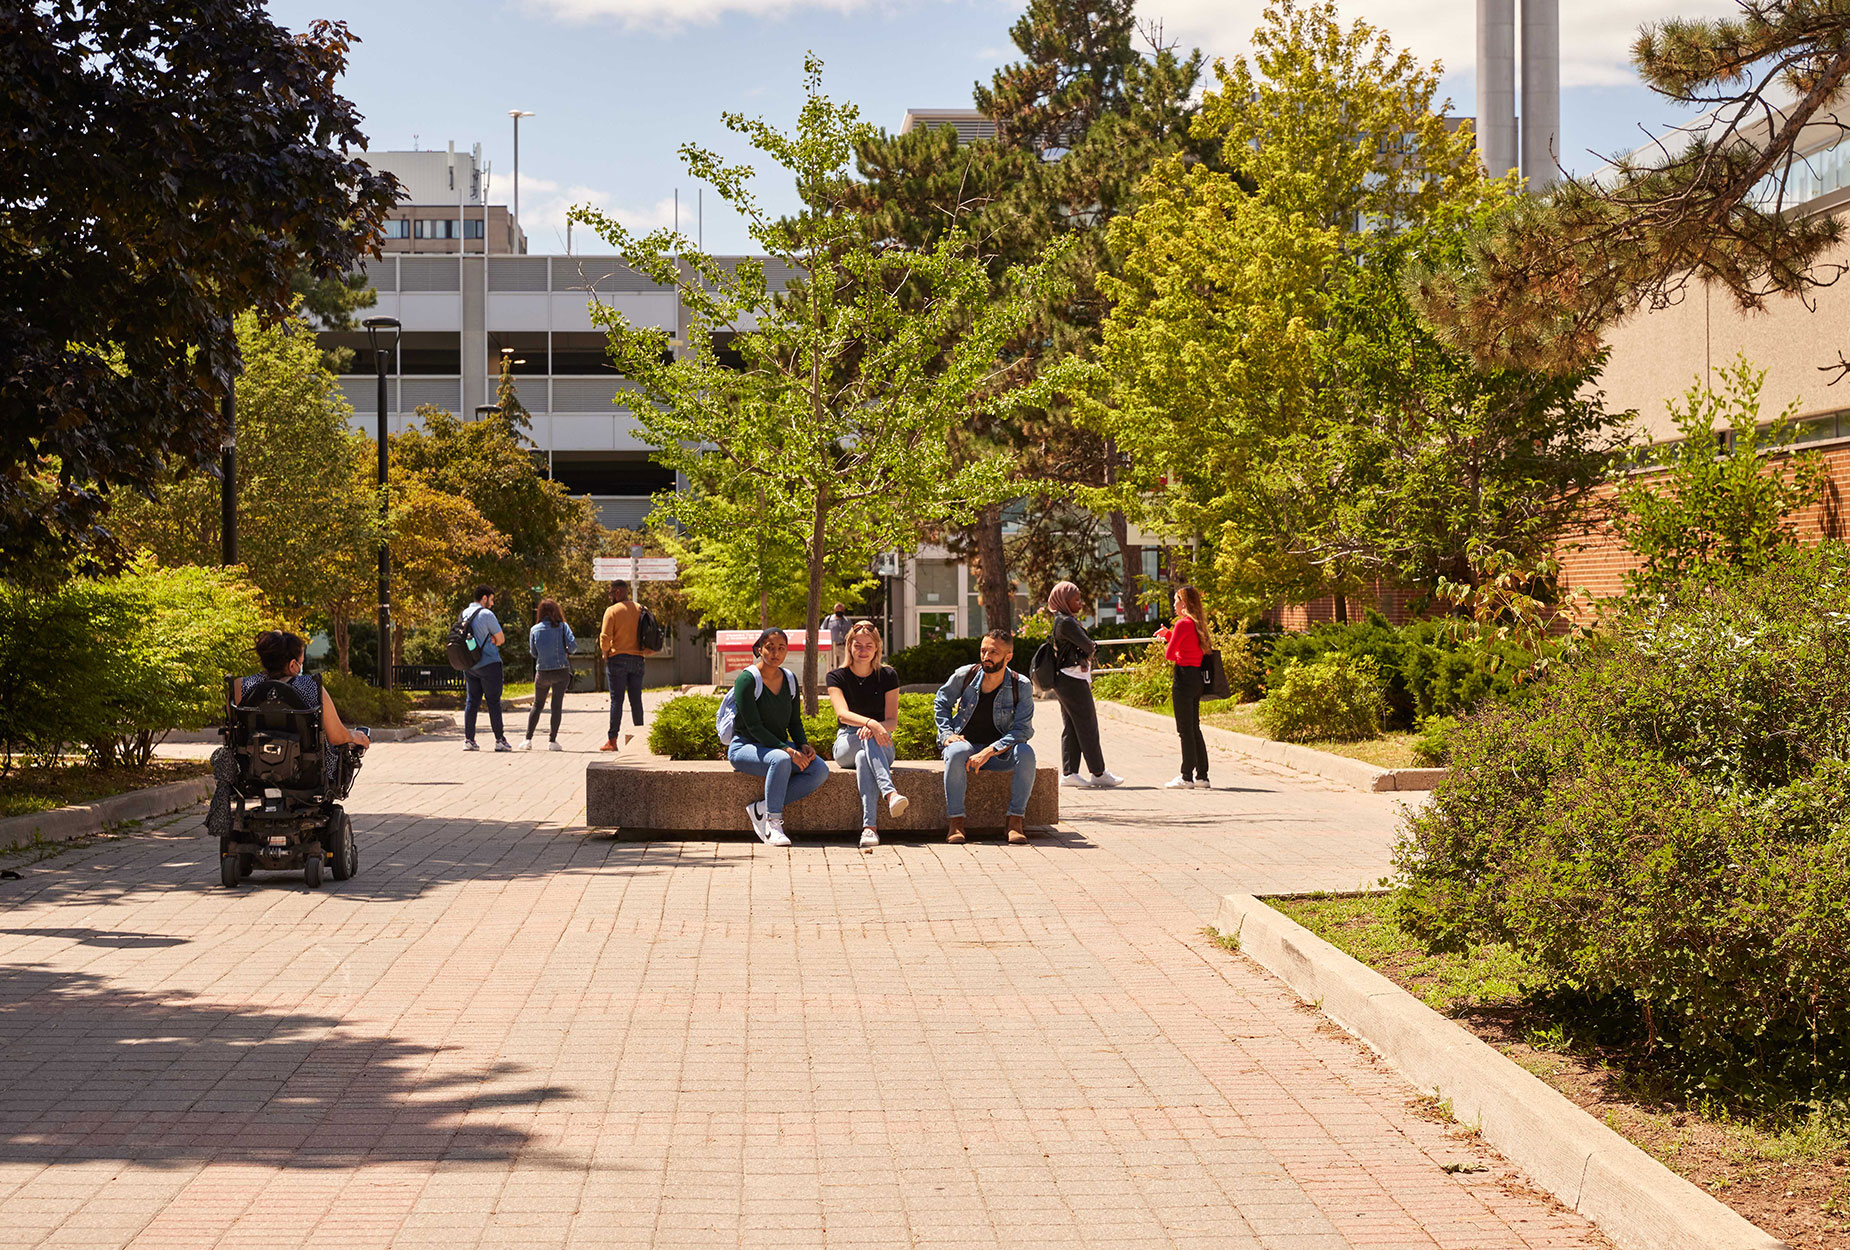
675	14
1596	35
544	204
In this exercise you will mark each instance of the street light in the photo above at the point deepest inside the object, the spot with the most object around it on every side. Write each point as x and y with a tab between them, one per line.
517	114
382	333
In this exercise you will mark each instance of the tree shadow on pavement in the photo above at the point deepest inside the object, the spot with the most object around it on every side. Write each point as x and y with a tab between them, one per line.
96	1072
401	857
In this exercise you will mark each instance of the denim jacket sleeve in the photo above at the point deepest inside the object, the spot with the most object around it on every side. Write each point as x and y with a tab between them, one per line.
944	704
1023	727
571	642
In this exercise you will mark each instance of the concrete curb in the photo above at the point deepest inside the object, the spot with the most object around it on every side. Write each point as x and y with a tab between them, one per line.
1340	768
80	820
1634	1199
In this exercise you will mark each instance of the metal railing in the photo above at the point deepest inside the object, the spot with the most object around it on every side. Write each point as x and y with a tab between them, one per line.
1117	642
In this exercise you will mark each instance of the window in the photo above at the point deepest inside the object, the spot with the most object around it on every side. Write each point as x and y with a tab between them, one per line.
398	229
445	228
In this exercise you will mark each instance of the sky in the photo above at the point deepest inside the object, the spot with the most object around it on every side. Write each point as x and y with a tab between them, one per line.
617	86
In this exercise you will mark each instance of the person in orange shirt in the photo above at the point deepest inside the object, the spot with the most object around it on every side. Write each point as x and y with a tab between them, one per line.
623	658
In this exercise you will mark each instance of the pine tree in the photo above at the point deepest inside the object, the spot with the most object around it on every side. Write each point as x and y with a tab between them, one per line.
1539	287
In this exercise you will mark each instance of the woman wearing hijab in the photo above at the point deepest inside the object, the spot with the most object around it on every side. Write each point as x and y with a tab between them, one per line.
1074	649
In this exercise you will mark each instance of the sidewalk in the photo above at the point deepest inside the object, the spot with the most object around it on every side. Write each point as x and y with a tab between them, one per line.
503	1033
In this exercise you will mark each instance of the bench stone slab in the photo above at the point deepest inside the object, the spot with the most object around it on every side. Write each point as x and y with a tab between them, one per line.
635	791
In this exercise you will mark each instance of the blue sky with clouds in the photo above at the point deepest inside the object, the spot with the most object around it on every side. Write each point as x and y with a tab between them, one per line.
619	85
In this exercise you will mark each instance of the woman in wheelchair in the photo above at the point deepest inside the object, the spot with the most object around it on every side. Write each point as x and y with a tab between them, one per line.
281	654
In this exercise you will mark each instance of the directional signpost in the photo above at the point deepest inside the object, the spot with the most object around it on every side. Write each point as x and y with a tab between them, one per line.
635	568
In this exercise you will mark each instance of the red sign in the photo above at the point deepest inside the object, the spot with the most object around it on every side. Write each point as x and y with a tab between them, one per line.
727	640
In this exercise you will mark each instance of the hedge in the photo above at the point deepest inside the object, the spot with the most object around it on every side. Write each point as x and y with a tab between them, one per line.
1666	826
684	728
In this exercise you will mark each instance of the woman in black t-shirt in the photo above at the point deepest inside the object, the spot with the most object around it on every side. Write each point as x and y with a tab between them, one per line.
865	693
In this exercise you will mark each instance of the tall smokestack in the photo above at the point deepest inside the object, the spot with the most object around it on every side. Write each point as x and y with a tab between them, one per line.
1541	92
1496	85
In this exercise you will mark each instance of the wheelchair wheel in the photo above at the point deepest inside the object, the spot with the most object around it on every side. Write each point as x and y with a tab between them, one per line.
311	870
228	874
346	861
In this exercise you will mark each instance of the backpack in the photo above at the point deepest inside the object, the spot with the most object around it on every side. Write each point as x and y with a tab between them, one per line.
1044	668
726	719
649	632
464	651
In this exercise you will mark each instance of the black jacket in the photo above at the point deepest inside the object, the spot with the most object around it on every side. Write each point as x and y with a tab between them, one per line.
1072	645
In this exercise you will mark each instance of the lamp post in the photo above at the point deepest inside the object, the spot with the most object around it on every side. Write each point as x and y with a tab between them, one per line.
517	114
228	480
382	333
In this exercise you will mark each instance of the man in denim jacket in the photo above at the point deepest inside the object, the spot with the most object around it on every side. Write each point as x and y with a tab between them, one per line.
985	716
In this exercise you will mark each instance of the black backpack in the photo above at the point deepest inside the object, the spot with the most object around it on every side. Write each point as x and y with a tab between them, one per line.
464	651
1044	668
649	632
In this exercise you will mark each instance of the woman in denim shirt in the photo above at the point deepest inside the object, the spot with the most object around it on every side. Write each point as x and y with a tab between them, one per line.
551	642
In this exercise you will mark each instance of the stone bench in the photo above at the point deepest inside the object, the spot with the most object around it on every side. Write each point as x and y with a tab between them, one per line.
639	795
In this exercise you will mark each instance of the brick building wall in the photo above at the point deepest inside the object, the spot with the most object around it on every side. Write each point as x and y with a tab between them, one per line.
1594	563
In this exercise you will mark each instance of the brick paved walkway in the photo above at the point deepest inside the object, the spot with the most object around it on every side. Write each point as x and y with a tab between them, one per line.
503	1033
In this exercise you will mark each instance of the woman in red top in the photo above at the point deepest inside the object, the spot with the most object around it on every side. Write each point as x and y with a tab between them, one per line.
1182	647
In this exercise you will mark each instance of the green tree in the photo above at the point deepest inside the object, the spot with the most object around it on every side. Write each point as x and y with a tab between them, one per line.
1275	393
164	165
491	464
834	429
1723	504
304	492
1080	119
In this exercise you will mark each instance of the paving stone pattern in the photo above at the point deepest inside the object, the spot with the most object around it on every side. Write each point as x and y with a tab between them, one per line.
505	1033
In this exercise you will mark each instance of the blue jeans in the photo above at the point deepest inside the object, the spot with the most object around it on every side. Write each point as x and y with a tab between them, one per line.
873	769
1018	758
483	685
782	782
625	673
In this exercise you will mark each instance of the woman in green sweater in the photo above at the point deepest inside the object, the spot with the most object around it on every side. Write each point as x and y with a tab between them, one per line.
768	739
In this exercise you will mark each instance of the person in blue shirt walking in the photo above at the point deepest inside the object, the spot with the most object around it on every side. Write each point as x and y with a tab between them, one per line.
985	716
551	642
483	682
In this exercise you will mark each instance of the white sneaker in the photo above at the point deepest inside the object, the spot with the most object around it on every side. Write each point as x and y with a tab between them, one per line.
1178	782
897	803
869	839
1076	779
526	744
755	813
554	745
774	834
1201	783
1105	780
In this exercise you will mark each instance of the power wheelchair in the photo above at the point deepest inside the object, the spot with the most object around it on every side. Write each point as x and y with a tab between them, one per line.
285	810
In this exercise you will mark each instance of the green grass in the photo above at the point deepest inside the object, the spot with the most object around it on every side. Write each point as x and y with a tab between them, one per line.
1390	750
1363	926
27	790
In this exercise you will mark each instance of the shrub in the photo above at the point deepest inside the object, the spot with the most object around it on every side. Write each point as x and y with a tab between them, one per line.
1145	684
1336	698
1429	668
683	728
1667	825
112	664
359	702
1433	746
933	661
